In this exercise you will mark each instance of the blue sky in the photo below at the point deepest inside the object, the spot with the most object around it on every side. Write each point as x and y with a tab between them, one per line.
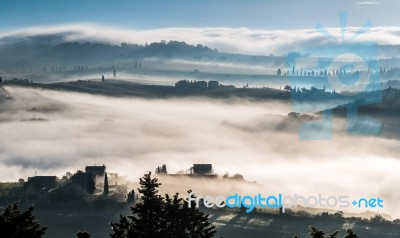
151	14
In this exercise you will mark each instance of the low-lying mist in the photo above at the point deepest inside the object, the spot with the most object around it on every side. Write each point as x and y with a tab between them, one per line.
53	132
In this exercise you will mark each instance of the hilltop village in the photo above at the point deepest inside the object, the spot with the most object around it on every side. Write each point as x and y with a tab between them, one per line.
94	183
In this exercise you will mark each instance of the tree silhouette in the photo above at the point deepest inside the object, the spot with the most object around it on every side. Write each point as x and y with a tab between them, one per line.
157	216
164	168
333	235
91	184
106	189
131	196
82	234
14	224
350	234
378	218
146	219
195	222
315	233
287	88
161	169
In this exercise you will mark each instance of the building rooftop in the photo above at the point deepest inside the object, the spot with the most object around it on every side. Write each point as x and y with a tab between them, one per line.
202	169
96	170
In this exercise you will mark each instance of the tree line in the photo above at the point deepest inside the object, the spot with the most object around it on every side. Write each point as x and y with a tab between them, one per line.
154	216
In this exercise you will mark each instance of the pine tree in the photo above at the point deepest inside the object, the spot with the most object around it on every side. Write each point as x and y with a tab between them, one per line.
149	211
157	216
173	215
145	221
122	228
106	189
14	224
196	222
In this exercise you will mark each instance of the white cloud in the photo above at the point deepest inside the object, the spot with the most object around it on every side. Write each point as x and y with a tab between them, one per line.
368	3
236	40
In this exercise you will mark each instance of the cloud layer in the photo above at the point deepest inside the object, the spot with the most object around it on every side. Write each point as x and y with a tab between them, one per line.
368	3
132	136
235	40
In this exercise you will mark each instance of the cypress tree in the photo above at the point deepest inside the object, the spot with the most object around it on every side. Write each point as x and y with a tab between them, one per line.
105	190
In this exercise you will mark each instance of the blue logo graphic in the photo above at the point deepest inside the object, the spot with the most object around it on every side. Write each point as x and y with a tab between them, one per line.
346	72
